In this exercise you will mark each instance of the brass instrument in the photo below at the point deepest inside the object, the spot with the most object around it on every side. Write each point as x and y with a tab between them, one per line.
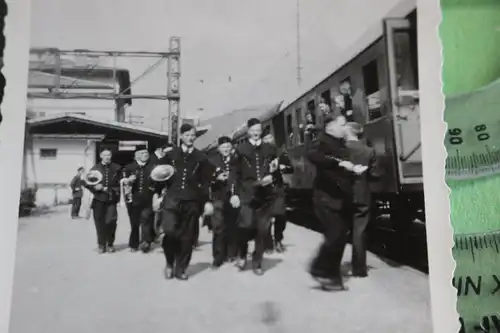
93	177
125	190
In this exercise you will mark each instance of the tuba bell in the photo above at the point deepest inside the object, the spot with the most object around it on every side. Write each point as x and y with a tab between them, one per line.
93	177
162	172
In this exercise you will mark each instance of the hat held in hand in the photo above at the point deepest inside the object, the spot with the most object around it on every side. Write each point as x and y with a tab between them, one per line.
161	173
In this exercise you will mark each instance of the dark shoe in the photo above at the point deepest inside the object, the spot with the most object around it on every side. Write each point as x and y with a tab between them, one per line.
331	283
111	249
230	259
182	277
145	247
169	272
216	265
280	248
258	271
241	264
101	250
360	274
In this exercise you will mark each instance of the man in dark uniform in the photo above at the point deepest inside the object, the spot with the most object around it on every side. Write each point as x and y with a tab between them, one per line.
284	167
77	193
255	162
224	217
181	205
360	154
106	197
332	199
140	209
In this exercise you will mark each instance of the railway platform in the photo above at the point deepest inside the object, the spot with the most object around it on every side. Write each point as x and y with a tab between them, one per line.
62	285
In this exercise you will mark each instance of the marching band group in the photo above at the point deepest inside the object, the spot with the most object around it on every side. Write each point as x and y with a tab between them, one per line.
238	192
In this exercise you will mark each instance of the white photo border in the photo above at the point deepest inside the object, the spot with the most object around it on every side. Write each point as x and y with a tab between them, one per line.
15	70
437	204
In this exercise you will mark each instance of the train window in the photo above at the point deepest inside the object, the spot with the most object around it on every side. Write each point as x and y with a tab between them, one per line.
311	109
371	83
300	123
370	77
327	98
289	129
372	89
267	129
346	86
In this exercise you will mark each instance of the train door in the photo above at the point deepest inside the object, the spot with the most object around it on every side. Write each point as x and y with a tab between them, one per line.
404	98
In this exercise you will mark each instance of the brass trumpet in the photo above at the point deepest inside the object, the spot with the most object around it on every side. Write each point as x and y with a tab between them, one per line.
93	177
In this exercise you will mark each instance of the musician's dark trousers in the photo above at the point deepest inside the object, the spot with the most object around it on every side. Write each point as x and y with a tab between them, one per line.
105	217
75	207
180	223
155	230
360	222
141	225
254	223
223	225
334	217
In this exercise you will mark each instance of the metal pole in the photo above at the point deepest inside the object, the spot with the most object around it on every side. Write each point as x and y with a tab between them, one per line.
104	53
174	89
299	77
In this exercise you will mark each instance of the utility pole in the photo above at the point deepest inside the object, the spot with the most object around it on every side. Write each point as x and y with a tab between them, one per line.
299	68
173	94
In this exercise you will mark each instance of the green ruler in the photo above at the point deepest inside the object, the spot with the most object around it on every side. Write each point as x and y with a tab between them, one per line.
470	37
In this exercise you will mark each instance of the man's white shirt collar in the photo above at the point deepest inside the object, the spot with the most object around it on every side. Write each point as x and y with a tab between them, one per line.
255	142
186	149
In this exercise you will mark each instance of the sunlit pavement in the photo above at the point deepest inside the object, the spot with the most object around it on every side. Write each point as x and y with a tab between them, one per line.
63	286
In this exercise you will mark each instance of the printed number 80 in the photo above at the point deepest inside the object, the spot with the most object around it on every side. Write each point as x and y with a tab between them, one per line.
456	139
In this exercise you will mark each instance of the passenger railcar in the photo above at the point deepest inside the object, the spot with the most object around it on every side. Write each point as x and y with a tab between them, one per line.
383	78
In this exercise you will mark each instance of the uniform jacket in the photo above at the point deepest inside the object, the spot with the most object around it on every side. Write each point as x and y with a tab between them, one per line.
361	154
154	159
250	165
193	174
221	190
284	167
77	186
111	179
143	187
331	179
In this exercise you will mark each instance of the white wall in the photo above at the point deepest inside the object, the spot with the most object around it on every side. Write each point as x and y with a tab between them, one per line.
99	109
53	175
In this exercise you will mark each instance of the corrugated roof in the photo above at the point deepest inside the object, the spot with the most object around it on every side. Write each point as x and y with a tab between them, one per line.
107	123
227	123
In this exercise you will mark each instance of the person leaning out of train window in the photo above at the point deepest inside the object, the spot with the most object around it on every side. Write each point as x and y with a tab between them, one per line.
310	129
360	154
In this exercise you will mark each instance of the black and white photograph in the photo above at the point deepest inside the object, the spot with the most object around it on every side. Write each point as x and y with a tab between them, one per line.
222	166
